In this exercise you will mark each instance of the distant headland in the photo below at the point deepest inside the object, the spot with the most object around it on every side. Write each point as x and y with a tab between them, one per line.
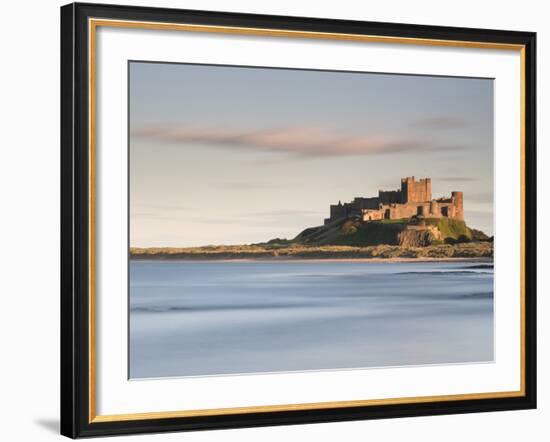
399	224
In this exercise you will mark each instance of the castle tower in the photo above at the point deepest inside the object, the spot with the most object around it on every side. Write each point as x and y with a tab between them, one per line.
458	202
406	189
428	187
416	191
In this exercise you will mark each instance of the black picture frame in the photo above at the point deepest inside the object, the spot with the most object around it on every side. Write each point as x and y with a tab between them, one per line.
75	220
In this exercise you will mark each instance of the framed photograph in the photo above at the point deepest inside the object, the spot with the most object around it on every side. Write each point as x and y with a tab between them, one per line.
274	220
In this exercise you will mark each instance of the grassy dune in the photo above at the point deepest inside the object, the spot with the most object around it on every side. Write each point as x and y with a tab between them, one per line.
282	251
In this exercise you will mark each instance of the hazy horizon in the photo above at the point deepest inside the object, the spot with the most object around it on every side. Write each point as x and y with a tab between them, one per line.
239	155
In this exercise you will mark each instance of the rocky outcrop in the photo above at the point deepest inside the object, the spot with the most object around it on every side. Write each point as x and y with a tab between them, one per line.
418	236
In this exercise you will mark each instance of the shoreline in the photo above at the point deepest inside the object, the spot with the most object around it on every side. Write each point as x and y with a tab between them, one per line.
332	259
381	253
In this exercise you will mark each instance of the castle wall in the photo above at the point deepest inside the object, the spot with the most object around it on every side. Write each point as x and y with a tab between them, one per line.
430	209
414	199
366	203
372	215
435	209
337	211
408	210
447	209
390	196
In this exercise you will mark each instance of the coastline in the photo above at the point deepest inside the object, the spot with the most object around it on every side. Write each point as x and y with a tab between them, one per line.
381	253
332	259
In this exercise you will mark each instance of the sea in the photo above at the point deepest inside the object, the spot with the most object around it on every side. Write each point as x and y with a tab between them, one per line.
201	318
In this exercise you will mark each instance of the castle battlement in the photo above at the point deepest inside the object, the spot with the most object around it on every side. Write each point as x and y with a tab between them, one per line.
414	198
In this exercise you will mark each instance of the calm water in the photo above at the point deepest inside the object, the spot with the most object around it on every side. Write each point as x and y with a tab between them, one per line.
204	318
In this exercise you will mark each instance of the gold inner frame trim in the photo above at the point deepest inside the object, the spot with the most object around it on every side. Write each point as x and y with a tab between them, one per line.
93	24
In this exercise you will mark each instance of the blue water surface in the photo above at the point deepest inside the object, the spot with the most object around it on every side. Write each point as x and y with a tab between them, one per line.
213	317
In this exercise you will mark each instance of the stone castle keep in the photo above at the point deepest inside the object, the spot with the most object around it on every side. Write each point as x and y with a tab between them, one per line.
413	199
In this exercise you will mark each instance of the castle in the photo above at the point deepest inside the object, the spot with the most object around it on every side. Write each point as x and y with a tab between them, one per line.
413	199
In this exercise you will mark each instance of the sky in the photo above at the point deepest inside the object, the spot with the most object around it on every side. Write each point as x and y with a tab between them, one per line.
239	155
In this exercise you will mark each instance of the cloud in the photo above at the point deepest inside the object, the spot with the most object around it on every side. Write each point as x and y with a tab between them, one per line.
301	140
441	122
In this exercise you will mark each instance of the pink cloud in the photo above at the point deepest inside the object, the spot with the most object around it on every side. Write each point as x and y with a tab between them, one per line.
301	140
